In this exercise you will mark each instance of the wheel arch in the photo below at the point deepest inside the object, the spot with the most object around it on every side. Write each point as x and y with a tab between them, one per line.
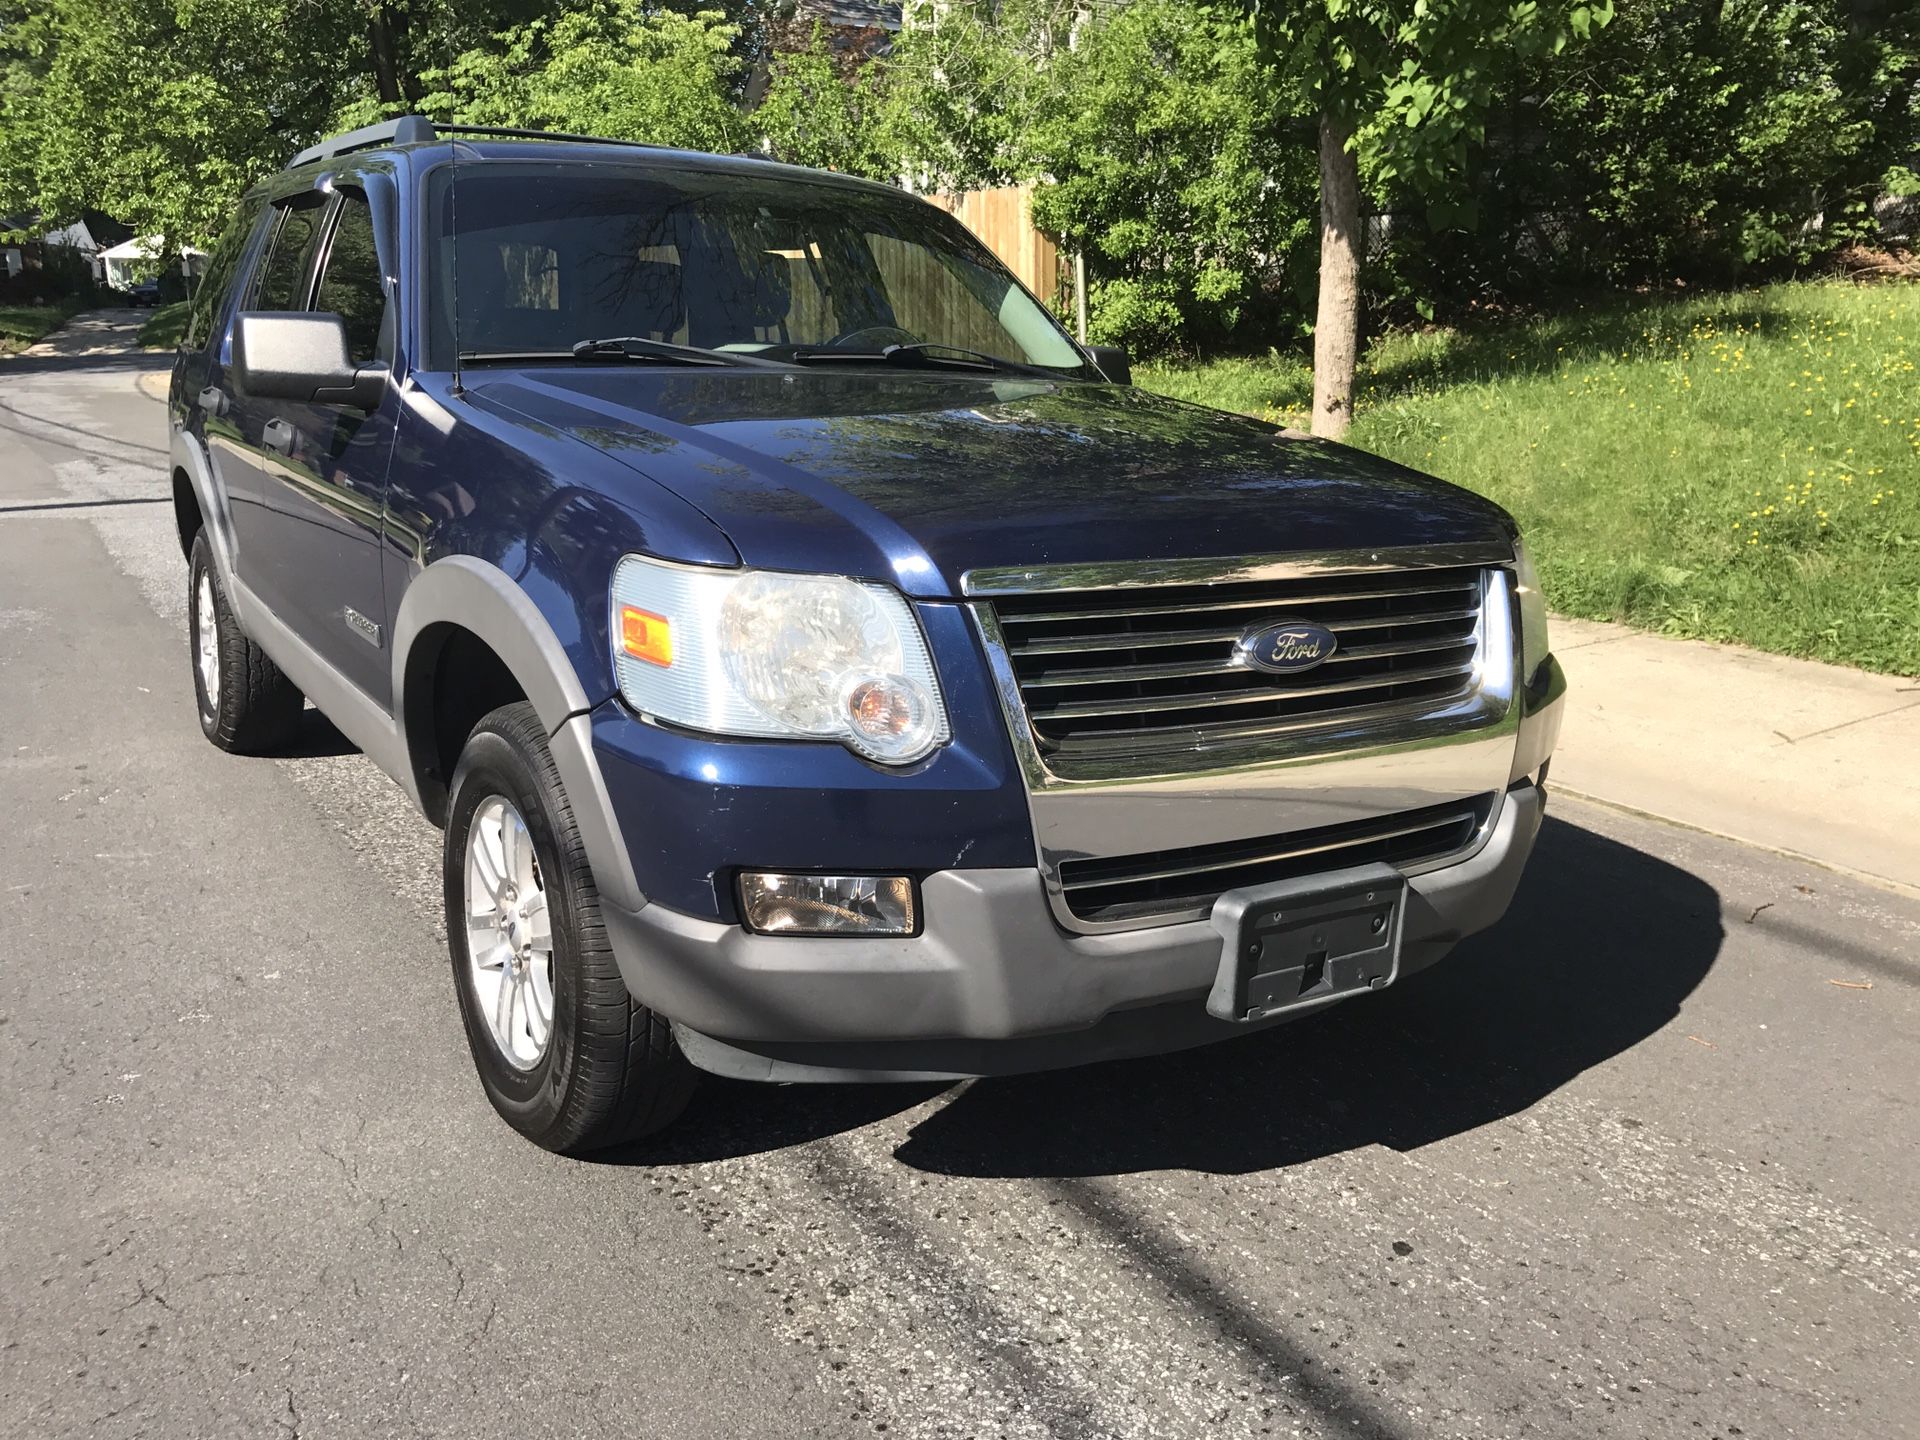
461	617
198	500
187	517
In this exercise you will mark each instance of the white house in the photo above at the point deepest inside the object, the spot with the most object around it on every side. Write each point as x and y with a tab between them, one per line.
90	235
126	264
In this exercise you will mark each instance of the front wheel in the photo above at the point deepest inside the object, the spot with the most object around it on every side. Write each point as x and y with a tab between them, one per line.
565	1053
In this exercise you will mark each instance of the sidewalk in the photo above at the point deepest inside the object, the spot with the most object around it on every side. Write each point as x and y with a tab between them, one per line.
92	332
1817	760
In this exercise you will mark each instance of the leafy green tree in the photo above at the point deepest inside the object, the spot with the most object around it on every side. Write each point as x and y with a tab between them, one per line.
1170	169
817	113
26	52
160	112
965	82
621	68
406	41
1404	87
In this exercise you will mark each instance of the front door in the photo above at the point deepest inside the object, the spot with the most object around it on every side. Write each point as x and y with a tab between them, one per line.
309	533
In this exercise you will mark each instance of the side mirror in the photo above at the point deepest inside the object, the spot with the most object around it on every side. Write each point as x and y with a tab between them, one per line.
300	355
1113	363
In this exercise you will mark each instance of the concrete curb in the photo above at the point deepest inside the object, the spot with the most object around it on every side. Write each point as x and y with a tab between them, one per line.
1557	791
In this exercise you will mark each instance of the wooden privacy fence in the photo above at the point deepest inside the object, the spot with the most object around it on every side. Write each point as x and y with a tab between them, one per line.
1003	219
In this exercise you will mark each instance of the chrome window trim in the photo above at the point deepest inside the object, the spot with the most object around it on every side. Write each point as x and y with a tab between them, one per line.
1471	735
1131	575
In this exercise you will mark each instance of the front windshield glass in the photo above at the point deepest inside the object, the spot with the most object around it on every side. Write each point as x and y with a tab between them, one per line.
529	261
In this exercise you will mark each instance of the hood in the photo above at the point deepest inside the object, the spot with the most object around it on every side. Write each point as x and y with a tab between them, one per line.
918	477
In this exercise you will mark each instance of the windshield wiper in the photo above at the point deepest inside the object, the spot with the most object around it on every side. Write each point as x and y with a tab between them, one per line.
638	348
919	353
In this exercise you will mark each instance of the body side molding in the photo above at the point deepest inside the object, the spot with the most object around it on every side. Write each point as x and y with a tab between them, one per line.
349	707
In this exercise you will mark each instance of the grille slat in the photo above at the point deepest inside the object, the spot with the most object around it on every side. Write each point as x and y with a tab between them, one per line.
1130	612
1178	670
1262	695
1105	671
1143	640
1174	885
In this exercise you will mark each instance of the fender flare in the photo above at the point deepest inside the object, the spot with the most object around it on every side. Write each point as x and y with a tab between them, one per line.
473	595
185	453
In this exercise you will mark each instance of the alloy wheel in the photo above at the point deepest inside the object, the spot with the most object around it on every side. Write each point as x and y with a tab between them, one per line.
509	933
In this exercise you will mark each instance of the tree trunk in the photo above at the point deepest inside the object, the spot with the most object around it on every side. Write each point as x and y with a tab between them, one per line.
381	41
1336	329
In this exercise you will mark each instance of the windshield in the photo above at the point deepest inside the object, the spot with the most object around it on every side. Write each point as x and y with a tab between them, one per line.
530	261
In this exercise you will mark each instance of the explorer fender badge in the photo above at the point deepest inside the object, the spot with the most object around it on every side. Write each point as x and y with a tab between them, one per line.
1287	647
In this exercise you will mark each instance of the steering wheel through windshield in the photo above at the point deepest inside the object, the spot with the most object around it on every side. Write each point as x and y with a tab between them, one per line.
873	337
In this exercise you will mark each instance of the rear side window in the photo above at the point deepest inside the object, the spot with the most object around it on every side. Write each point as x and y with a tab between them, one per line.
286	261
350	286
210	294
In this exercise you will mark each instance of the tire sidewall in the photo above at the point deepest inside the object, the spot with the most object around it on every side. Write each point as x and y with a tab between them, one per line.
493	765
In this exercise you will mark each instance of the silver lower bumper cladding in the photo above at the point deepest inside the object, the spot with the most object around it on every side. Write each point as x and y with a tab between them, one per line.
993	985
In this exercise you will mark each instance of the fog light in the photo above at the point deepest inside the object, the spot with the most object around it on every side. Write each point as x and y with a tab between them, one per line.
827	904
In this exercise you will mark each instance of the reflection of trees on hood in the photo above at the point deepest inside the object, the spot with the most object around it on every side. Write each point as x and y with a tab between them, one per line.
1085	448
949	447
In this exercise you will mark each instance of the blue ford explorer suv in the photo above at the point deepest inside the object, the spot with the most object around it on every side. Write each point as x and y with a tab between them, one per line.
822	668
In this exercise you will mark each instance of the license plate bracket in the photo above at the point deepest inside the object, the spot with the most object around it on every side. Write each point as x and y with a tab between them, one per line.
1299	943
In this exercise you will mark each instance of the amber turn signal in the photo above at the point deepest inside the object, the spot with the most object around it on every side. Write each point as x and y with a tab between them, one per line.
646	636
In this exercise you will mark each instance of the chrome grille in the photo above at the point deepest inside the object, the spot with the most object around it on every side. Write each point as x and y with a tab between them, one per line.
1154	667
1165	886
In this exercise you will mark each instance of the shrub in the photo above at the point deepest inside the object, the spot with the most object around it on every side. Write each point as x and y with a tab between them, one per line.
1697	141
819	112
1171	167
621	68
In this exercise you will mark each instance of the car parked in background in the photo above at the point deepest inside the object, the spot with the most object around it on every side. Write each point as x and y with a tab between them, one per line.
145	294
822	667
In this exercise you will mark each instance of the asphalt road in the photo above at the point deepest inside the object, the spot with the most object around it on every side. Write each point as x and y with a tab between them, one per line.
1630	1165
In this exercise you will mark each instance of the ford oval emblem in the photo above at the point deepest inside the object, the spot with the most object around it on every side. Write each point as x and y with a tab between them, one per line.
1287	647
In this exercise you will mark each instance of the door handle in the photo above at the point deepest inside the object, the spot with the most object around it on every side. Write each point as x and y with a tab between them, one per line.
278	436
213	400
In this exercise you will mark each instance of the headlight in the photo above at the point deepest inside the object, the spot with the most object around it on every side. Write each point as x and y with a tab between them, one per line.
755	652
1533	614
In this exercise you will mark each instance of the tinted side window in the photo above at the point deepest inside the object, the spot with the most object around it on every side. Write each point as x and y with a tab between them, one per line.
350	286
279	285
216	282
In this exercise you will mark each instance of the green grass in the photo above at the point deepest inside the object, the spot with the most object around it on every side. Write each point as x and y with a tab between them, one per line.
1274	386
165	327
1731	467
21	325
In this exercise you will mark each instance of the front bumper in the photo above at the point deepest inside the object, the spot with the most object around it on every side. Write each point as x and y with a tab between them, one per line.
992	985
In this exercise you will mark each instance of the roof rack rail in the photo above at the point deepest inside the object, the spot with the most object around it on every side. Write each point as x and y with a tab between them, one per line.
407	130
503	133
416	130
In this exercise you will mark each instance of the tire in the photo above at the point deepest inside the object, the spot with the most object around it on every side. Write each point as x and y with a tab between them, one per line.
246	705
607	1070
